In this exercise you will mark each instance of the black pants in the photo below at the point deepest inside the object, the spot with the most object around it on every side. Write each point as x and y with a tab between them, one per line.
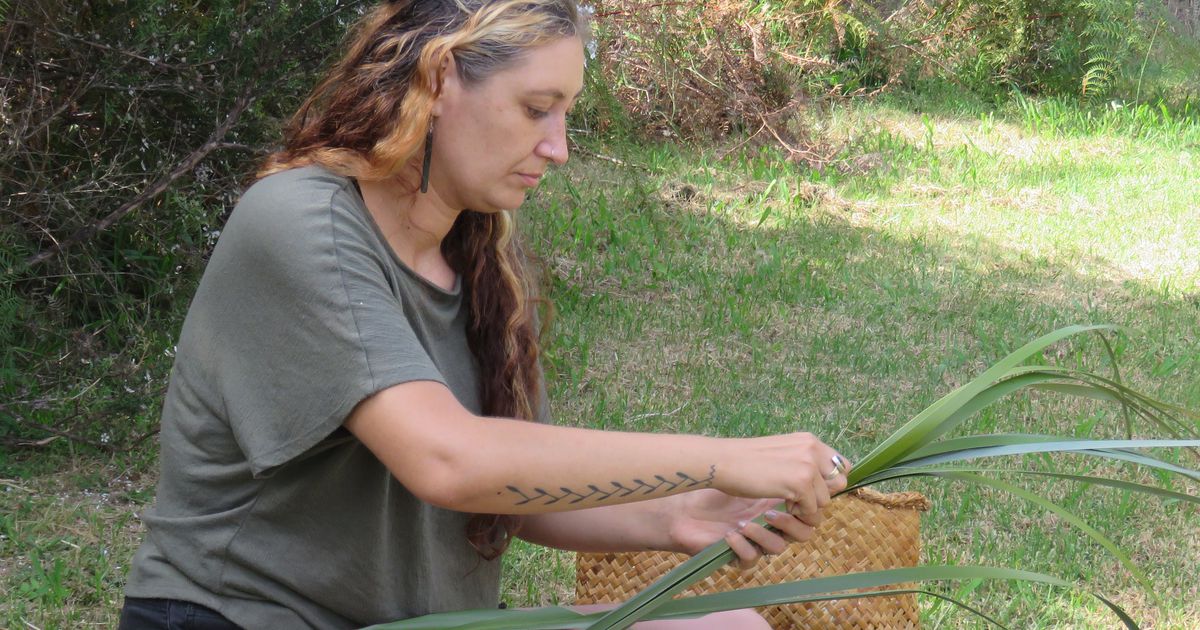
170	614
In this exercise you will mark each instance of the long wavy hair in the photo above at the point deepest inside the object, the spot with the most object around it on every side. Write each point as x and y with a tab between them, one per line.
368	119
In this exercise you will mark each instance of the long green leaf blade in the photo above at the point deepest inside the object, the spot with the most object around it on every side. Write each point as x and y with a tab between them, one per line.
861	595
977	447
915	433
1120	484
674	582
1064	514
794	592
1059	446
815	589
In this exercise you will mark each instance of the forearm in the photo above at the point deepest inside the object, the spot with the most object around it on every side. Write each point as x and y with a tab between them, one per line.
525	468
451	458
629	527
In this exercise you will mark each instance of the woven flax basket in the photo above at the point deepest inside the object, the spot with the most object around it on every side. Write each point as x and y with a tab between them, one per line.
863	531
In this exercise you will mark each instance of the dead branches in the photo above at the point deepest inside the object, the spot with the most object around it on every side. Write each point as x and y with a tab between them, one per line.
193	159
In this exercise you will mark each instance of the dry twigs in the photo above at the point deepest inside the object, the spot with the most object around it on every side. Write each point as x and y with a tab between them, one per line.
158	187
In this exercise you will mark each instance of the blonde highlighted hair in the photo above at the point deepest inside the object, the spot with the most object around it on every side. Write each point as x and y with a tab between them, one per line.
368	119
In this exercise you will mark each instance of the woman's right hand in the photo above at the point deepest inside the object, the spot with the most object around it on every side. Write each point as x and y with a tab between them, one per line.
794	467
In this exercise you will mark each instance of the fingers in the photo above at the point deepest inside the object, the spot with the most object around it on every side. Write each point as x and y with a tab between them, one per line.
747	553
799	467
805	505
828	478
768	541
821	493
834	470
792	527
751	541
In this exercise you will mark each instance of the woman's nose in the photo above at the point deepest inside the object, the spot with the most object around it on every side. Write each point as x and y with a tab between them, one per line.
554	146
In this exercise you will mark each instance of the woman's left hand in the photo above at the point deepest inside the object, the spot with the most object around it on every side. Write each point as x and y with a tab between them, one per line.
698	519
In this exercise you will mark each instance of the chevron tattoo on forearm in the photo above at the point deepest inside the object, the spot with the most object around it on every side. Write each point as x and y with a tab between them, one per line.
598	493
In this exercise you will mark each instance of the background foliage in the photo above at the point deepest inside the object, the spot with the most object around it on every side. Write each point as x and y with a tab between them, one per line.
129	128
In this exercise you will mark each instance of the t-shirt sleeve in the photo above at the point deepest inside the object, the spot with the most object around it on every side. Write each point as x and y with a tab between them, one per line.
297	322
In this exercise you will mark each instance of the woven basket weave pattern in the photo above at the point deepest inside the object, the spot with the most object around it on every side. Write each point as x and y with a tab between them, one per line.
863	531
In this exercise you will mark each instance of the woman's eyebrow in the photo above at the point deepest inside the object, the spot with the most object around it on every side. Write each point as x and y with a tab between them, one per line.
555	93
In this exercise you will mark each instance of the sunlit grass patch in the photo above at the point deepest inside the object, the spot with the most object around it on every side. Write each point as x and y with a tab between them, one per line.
1106	206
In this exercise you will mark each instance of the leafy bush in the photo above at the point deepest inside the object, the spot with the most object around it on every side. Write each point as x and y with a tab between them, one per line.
129	127
734	66
1084	47
729	67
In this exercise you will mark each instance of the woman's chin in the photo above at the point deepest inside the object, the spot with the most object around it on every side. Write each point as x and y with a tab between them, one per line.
508	202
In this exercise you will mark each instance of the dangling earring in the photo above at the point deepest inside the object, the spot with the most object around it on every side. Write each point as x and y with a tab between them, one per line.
428	157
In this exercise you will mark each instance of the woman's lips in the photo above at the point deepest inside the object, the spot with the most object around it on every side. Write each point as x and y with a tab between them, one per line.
530	180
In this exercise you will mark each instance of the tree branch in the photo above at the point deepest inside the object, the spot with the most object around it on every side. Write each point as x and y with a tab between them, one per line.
215	141
56	433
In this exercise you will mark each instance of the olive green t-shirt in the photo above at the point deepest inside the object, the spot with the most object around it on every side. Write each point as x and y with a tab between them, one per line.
267	510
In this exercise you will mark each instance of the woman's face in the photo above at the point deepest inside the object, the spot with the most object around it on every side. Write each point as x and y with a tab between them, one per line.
493	140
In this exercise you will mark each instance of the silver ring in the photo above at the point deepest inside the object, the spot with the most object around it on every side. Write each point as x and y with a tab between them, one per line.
839	467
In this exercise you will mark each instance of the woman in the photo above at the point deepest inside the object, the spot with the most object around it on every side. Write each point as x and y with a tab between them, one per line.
355	425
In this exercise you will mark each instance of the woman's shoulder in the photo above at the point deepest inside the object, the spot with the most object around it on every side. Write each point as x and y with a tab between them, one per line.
298	200
301	187
290	215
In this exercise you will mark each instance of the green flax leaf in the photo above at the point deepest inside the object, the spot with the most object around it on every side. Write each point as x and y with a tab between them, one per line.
815	589
1062	513
928	424
1120	484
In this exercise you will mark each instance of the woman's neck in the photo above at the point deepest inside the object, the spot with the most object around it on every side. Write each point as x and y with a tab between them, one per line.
414	225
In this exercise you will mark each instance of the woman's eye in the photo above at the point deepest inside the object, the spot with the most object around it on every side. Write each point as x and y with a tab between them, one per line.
535	112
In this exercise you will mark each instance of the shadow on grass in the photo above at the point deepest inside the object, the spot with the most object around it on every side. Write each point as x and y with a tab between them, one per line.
703	312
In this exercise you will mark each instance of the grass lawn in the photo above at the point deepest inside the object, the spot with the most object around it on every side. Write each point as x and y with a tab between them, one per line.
750	295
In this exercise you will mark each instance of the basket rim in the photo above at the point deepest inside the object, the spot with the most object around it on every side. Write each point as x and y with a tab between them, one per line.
908	500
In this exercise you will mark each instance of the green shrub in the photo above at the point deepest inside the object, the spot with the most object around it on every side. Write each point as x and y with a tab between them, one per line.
704	69
103	100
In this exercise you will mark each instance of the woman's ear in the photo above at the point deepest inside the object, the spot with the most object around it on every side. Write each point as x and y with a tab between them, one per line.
450	86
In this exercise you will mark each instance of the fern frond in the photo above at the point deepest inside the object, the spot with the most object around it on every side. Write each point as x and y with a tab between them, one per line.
859	30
